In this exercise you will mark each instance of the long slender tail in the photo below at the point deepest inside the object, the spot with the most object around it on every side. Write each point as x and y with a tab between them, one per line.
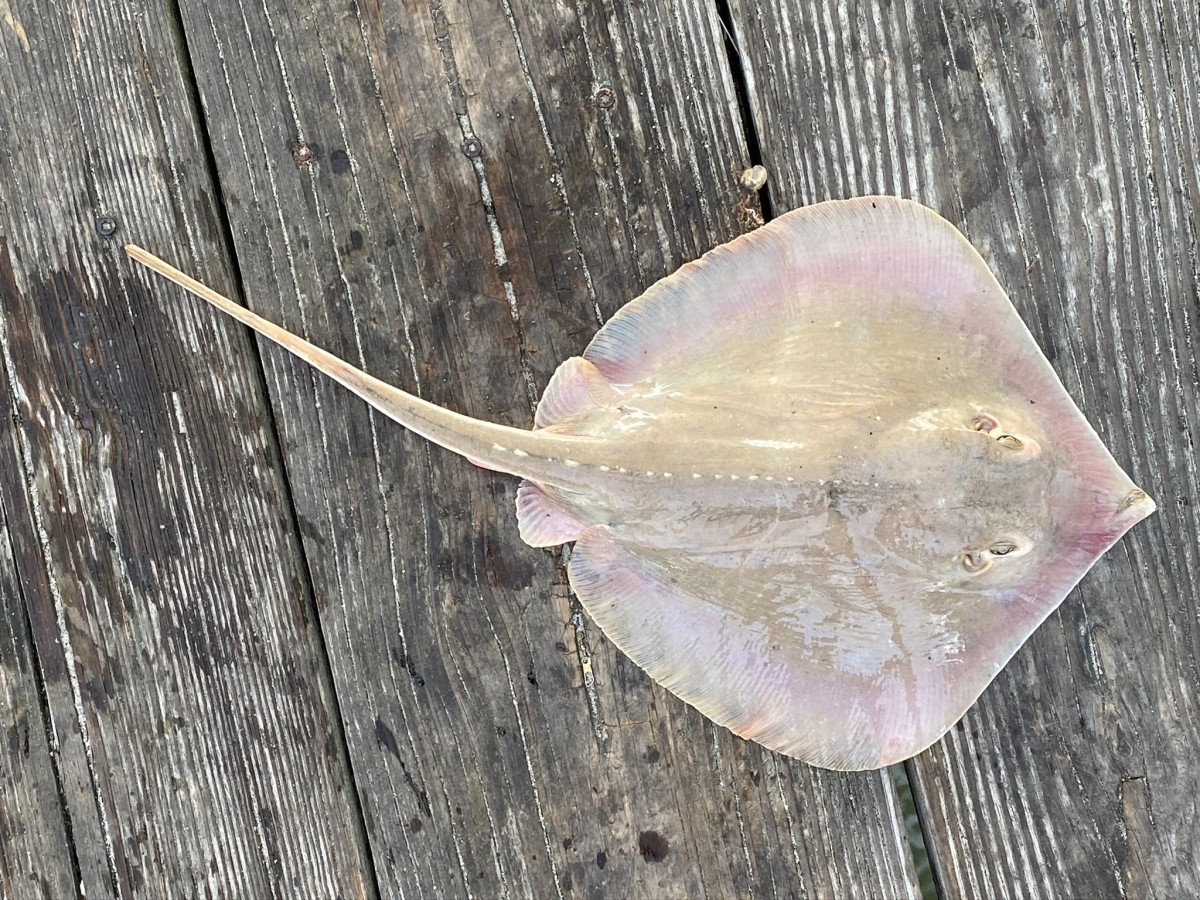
525	453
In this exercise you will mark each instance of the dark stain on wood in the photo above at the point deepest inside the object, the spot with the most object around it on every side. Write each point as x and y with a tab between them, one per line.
653	846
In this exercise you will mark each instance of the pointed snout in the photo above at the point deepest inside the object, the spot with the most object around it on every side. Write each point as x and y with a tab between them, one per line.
1116	516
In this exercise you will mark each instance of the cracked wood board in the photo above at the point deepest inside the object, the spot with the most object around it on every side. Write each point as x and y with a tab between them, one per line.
34	855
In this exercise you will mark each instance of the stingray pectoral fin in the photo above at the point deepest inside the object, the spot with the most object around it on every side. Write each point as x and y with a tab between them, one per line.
825	312
747	648
839	263
543	518
576	389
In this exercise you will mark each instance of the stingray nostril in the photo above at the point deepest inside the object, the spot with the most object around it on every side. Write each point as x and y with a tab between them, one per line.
985	424
975	562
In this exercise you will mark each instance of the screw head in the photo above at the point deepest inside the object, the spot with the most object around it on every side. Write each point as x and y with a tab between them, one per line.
302	153
606	97
106	226
472	148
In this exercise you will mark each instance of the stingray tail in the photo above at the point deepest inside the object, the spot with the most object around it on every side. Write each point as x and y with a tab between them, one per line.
498	447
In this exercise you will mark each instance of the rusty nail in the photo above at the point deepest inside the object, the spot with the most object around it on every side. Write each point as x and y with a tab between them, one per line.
302	153
106	226
606	97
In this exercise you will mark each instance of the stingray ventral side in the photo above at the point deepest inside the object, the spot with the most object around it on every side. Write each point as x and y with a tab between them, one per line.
822	483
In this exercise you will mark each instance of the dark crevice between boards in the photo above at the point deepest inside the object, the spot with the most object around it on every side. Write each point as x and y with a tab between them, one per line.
279	464
741	89
914	829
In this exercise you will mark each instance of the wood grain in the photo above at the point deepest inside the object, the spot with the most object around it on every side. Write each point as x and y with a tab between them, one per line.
1061	137
35	853
193	739
453	196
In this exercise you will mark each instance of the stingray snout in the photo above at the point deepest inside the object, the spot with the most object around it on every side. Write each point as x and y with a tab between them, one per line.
1135	506
1115	513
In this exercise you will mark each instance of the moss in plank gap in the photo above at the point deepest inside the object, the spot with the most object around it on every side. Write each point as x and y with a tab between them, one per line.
912	827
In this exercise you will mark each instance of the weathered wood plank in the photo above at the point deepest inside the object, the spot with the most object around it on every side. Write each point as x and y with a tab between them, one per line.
453	196
196	740
1062	138
35	853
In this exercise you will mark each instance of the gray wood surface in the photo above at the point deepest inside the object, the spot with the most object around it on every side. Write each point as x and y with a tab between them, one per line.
35	854
193	740
260	641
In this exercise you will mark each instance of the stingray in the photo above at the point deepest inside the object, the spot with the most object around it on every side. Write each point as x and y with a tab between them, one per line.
821	482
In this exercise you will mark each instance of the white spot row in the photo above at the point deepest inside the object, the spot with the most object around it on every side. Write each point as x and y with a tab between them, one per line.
716	475
623	471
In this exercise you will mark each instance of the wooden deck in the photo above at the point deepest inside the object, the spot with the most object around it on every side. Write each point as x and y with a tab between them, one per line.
258	642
